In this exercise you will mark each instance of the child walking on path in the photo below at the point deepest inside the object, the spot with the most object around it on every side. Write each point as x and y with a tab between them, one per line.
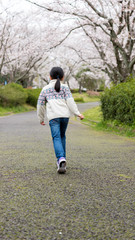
57	99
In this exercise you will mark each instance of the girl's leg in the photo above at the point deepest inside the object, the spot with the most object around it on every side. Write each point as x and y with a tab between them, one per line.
63	127
56	136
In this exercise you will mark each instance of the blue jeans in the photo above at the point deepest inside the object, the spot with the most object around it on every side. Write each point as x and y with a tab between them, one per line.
58	129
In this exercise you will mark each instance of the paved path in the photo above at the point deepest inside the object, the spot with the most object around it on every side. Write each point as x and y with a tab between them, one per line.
95	199
85	106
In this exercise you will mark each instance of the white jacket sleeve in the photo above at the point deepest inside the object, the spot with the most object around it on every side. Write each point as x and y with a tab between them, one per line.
72	106
41	107
71	103
40	112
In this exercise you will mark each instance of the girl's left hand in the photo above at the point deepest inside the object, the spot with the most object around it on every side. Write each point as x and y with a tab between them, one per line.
81	117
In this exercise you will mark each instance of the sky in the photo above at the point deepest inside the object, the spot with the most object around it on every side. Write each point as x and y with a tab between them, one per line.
17	5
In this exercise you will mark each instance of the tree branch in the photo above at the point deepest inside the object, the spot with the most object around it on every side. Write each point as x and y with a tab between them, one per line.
28	70
57	11
132	63
95	10
67	36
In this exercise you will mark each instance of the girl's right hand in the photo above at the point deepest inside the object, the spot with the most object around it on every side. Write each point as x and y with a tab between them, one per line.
81	117
42	123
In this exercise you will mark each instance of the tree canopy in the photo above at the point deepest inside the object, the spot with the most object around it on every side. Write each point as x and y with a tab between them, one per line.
68	33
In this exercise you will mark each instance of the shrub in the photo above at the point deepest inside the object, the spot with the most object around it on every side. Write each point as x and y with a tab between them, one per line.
118	103
74	90
33	95
12	95
79	99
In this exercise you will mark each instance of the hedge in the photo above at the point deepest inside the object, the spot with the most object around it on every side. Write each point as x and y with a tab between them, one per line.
12	95
118	103
79	99
33	95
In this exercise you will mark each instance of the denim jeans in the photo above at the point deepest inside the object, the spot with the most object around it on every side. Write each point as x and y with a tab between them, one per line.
58	129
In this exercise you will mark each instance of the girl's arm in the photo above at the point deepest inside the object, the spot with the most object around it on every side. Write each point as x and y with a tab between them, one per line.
41	107
71	103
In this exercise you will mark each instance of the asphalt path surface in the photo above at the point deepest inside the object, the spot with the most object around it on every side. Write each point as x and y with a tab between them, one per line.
95	199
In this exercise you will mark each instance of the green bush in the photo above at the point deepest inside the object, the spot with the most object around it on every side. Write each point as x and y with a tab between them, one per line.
118	103
79	99
12	95
74	90
33	95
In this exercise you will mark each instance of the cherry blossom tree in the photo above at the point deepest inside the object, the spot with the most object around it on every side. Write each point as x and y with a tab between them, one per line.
68	33
105	33
23	46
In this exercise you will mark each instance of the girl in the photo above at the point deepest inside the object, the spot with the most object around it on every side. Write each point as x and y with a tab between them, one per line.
59	102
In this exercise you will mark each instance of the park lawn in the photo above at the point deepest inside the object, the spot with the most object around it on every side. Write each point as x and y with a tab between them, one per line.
94	118
93	115
84	98
4	111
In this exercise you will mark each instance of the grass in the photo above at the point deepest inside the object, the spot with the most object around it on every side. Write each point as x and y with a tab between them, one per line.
94	118
18	109
84	98
93	115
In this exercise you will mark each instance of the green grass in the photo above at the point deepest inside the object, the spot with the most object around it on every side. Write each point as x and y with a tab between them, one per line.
94	118
84	98
18	109
93	115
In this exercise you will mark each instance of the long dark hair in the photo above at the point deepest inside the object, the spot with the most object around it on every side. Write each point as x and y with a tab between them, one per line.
57	73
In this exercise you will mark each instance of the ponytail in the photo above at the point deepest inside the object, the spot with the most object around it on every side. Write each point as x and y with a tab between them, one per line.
57	73
57	84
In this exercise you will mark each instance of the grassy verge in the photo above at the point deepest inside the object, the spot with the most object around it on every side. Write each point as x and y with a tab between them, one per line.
84	98
93	117
4	111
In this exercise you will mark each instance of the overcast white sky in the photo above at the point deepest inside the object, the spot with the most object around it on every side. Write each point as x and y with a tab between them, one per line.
18	5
